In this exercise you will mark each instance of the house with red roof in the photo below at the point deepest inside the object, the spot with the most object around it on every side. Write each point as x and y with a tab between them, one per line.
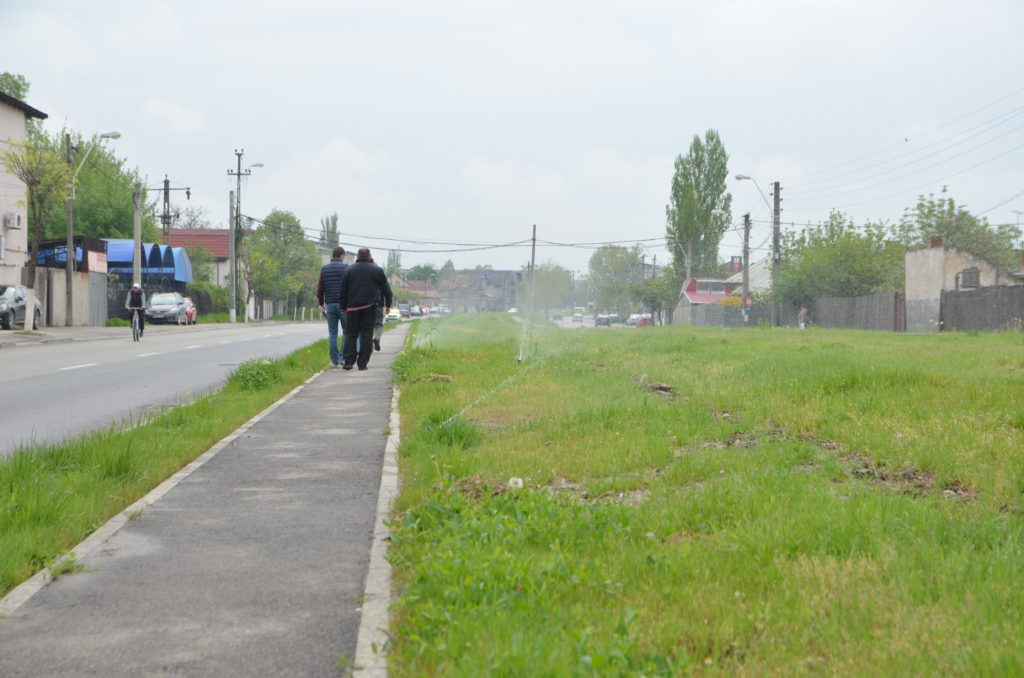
217	242
700	291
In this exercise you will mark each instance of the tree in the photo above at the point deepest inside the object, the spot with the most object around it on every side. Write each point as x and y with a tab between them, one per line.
551	286
614	270
46	177
202	261
329	234
282	263
103	194
191	216
697	213
15	85
958	228
423	272
838	259
658	294
394	262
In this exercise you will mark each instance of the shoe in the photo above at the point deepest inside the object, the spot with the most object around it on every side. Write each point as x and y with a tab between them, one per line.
335	364
376	344
363	368
346	367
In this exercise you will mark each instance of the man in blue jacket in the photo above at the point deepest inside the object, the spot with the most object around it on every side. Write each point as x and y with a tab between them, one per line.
328	293
364	285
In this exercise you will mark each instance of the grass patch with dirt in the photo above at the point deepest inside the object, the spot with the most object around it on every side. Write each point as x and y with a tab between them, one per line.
675	501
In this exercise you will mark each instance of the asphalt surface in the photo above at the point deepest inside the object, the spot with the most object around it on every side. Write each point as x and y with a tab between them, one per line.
252	565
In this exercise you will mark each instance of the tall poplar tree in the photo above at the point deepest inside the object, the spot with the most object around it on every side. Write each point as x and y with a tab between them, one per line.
698	211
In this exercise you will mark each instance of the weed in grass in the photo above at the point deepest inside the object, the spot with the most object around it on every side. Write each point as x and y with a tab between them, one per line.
254	375
65	565
134	514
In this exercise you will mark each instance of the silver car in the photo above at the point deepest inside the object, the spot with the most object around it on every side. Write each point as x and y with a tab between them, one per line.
167	307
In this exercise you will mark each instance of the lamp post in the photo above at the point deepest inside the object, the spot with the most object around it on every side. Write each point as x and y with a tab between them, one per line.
70	253
236	229
776	257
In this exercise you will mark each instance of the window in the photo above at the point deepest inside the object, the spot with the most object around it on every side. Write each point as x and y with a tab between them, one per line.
970	277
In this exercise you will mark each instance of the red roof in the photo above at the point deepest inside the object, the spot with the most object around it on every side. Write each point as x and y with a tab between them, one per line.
216	240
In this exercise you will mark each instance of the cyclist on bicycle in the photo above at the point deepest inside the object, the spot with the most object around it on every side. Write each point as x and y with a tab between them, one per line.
136	303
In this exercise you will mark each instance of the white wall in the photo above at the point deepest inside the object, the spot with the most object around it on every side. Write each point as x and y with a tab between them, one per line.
12	192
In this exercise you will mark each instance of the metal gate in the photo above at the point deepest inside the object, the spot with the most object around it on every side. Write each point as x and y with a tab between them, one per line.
97	299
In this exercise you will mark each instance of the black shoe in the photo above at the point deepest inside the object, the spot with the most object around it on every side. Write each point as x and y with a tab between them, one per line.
363	368
376	344
346	366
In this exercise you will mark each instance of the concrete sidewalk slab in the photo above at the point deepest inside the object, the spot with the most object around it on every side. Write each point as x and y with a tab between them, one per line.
253	565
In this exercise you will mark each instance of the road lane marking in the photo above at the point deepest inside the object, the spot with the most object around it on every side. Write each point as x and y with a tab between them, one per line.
226	341
146	355
75	367
193	346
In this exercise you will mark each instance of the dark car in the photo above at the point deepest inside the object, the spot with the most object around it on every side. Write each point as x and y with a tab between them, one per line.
167	307
404	310
13	299
603	320
556	317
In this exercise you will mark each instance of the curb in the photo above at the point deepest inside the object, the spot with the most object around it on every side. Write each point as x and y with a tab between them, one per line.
371	659
20	594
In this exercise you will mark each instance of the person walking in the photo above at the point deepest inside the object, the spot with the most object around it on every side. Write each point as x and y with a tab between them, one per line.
364	286
328	293
801	317
135	302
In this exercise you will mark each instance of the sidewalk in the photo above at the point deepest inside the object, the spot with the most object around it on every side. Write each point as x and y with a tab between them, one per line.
252	565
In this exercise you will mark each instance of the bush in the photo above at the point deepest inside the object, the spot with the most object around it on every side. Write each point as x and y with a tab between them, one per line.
209	298
117	322
255	374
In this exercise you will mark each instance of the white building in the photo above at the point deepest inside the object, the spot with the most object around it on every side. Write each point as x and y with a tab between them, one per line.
14	115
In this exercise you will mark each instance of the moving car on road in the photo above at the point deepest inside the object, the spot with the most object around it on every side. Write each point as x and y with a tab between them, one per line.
13	299
393	316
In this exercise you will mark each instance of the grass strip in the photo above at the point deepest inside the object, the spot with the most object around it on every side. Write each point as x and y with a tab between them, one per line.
677	501
52	497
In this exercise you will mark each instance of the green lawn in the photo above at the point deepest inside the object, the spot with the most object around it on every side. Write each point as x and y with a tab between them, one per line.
708	501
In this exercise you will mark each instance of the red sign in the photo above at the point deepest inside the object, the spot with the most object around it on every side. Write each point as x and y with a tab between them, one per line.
749	302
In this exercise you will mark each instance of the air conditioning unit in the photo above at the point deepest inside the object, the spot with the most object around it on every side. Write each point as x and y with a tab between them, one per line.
12	221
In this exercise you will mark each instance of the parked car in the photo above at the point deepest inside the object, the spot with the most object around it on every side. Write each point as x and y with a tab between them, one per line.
577	317
603	320
557	317
415	312
513	310
13	299
645	320
191	312
404	310
393	316
166	307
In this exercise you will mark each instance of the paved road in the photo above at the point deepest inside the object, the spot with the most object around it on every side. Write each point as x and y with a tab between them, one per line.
84	379
252	566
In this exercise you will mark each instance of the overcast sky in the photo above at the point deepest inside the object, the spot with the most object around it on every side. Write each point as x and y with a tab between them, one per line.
469	121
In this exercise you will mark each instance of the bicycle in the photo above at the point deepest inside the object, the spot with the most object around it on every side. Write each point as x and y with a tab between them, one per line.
136	335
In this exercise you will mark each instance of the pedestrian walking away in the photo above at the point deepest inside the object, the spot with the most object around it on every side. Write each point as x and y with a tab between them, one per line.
378	321
364	286
135	303
328	293
801	317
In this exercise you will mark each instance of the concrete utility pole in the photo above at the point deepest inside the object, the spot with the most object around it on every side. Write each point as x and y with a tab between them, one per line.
232	266
236	222
747	257
137	234
167	217
776	253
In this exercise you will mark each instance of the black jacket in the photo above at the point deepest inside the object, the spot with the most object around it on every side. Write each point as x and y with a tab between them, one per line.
330	280
362	284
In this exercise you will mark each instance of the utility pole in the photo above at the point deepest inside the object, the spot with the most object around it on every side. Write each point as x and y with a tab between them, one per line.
137	235
70	251
233	265
746	264
167	218
533	277
776	254
236	222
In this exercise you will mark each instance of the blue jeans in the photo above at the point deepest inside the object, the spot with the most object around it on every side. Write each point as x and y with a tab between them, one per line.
334	318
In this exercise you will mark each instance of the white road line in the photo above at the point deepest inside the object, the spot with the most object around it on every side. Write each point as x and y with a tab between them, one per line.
193	346
75	367
226	341
146	355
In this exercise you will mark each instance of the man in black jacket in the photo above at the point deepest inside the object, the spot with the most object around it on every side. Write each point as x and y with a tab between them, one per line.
328	289
363	286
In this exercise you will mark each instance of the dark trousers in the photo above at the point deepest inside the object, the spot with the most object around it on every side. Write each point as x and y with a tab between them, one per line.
142	317
359	326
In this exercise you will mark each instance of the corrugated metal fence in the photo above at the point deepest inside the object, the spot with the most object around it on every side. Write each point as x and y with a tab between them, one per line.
987	309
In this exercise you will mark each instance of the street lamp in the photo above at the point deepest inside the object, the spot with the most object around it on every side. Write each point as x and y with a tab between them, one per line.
776	260
70	253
